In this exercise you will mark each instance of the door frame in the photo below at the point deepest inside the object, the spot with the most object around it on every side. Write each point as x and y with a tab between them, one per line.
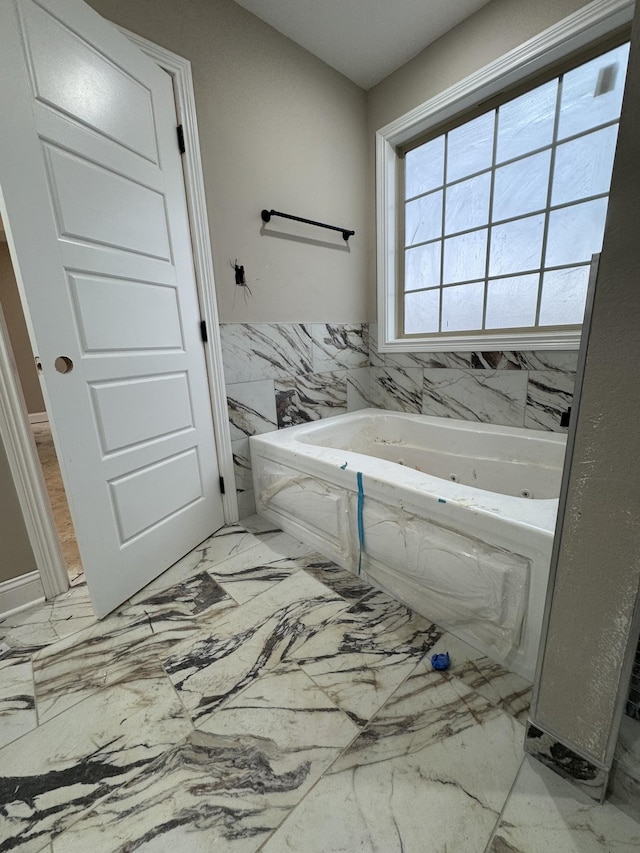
15	428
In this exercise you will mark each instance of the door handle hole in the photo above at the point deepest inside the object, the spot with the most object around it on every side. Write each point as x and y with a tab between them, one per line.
63	364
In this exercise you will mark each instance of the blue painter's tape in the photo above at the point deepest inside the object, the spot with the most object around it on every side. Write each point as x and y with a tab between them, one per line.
441	501
360	519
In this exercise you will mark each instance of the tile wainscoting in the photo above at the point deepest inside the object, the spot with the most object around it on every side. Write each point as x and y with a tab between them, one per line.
281	374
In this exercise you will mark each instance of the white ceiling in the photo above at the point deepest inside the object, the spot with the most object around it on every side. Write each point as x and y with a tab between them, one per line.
363	39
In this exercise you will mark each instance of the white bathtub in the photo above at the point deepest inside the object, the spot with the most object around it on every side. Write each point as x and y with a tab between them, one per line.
458	517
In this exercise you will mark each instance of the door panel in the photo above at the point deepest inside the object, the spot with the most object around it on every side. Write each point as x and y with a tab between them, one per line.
84	192
96	185
156	493
103	327
70	75
164	403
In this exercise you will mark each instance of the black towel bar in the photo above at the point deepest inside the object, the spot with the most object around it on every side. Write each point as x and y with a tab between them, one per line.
267	214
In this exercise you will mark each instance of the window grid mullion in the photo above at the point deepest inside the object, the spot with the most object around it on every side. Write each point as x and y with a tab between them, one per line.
521	274
444	210
552	163
512	160
540	212
494	154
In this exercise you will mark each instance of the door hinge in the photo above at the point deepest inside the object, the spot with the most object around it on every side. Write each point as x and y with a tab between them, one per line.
222	491
180	133
203	331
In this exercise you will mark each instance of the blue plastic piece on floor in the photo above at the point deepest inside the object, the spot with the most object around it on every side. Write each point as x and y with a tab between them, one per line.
441	661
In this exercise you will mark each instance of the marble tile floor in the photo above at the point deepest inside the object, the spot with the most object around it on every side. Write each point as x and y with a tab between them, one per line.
258	697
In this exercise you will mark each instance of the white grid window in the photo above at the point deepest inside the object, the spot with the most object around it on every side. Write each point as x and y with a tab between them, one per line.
502	213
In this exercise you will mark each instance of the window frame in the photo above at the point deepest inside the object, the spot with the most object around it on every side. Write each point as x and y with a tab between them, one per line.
585	29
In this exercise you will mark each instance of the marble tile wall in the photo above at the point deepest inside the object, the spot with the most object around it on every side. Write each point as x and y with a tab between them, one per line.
530	389
281	374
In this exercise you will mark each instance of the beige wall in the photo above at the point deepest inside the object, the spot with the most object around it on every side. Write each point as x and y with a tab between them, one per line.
14	318
278	129
495	29
598	573
16	556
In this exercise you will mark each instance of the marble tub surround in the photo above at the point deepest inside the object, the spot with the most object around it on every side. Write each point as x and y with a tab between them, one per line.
280	374
528	388
134	767
358	389
488	396
562	361
279	350
344	345
257	351
548	392
397	389
310	397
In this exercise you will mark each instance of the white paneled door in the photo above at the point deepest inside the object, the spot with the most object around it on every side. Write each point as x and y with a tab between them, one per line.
92	184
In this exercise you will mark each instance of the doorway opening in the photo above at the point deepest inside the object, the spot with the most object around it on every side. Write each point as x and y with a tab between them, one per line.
27	375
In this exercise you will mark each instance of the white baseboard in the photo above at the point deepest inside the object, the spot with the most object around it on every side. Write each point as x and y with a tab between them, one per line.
20	592
39	418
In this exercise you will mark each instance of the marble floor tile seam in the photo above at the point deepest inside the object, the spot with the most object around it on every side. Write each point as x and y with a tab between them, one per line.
239	742
440	778
379	713
496	826
160	673
137	621
152	656
56	637
81	699
320	778
144	739
213	569
114	792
